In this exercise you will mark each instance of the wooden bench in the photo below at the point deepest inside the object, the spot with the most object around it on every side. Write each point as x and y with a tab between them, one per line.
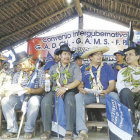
96	123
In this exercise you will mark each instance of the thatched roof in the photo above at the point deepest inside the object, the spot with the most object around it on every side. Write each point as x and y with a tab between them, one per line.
21	19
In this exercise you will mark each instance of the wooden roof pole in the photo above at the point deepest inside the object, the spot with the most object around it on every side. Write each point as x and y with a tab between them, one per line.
80	13
78	8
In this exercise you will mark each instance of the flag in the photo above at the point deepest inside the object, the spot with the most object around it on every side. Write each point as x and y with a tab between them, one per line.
133	37
131	32
49	62
34	75
59	120
9	57
119	118
136	37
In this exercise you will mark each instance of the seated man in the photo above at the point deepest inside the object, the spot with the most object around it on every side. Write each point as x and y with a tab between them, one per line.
128	82
120	62
97	80
14	102
65	77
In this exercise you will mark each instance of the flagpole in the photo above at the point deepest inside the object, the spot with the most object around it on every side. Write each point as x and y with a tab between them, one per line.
131	34
57	117
24	110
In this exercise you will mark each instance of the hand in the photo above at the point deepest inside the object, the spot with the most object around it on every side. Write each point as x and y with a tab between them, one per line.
60	91
103	92
81	90
28	90
118	67
137	89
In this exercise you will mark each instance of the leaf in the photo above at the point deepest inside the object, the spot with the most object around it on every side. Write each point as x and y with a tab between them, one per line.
90	78
64	71
55	88
64	81
55	75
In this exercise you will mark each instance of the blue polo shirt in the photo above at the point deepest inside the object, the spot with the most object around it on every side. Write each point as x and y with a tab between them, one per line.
115	70
107	74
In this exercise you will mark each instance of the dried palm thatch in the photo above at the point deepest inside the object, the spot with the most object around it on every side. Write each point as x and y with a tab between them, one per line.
21	19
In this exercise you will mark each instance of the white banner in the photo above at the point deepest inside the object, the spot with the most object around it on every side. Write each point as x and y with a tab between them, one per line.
79	41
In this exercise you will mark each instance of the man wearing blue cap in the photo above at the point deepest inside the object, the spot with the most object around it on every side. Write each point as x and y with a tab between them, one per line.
120	62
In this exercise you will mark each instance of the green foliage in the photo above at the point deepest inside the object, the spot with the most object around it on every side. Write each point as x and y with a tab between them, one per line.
55	76
68	75
87	68
55	88
129	78
64	81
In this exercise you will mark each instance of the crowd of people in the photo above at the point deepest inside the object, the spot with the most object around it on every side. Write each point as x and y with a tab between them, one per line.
77	84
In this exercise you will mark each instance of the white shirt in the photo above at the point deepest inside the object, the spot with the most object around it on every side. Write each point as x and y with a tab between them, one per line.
123	84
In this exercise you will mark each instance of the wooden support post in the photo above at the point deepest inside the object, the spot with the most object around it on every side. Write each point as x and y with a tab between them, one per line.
80	22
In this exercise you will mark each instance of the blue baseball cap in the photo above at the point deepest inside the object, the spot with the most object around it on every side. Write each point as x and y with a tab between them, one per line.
56	52
77	56
119	52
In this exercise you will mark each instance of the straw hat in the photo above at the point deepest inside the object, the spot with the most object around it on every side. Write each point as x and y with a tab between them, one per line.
94	50
2	57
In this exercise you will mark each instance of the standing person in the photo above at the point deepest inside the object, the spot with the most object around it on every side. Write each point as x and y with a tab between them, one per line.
2	58
12	103
128	83
97	81
120	62
5	75
56	55
65	77
78	60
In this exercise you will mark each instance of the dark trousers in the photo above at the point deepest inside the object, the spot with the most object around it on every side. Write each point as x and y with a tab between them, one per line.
47	107
126	98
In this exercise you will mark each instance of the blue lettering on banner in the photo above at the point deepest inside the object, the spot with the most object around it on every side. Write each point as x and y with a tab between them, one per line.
105	42
38	47
78	40
118	114
117	41
99	33
53	45
96	41
56	38
124	42
46	46
87	41
63	42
